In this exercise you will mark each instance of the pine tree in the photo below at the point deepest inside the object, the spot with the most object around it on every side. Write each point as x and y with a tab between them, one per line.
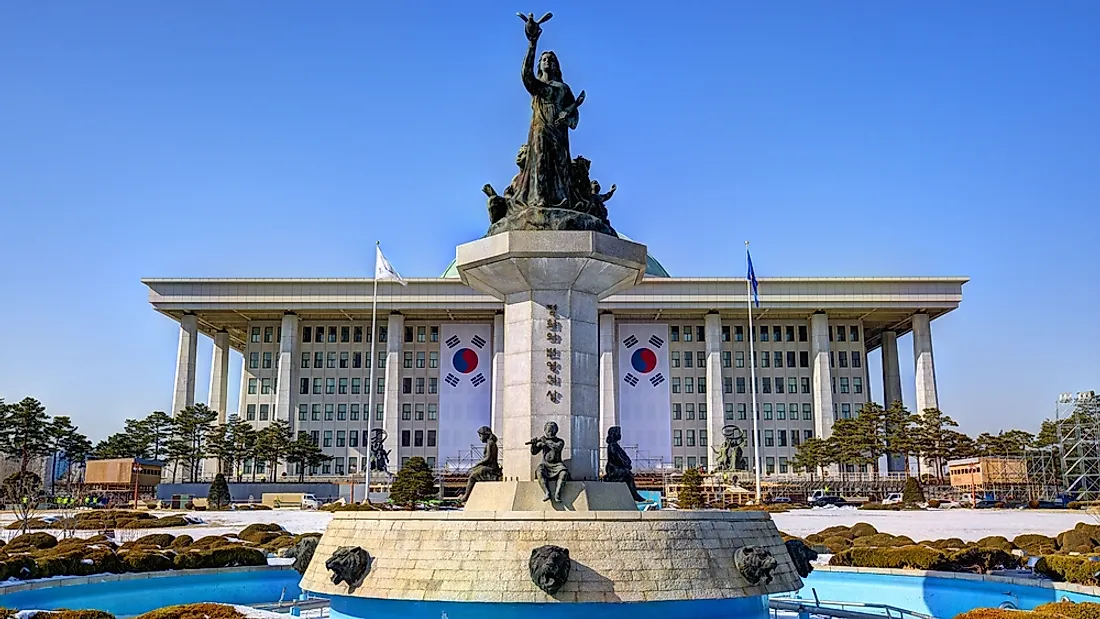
189	443
66	441
848	443
158	427
218	498
24	432
414	483
871	434
691	490
900	439
812	455
306	454
933	437
912	494
272	444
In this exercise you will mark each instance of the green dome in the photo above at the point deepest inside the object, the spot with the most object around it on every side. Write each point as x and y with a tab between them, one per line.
652	267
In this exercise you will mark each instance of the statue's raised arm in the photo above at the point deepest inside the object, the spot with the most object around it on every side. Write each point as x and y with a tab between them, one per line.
533	29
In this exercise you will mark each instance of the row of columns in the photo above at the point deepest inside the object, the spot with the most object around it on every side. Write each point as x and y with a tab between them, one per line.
923	363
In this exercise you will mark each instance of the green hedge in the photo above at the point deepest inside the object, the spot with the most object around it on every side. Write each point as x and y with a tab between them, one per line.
1061	568
1079	610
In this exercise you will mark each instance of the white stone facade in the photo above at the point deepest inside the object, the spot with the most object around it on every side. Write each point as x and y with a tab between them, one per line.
852	316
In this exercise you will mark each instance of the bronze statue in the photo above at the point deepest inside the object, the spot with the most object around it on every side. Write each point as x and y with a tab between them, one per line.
618	467
546	194
379	457
551	468
729	455
488	468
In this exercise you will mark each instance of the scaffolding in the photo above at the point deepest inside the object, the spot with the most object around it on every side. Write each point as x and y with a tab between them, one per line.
1077	421
1044	472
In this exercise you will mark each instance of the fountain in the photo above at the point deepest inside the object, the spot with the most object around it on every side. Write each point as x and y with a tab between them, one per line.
543	532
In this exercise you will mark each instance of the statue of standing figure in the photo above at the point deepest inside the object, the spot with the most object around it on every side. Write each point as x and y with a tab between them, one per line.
379	457
488	467
551	468
619	467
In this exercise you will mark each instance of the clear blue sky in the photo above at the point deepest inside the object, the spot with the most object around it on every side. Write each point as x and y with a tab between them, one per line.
280	139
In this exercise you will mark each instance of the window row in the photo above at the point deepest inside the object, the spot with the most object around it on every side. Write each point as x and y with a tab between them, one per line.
678	462
333	385
335	466
339	412
270	335
267	386
856	385
407	412
342	360
343	334
764	384
780	409
678	437
687	411
415	438
844	412
689	384
269	361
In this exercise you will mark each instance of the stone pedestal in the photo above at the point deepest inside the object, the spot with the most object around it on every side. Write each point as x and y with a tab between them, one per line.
527	496
551	282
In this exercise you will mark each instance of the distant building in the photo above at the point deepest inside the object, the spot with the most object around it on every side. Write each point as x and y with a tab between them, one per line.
987	472
122	474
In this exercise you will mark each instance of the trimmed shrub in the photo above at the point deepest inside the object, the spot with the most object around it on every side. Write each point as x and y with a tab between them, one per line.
836	531
218	497
194	611
882	540
814	538
37	541
879	507
72	614
1004	613
234	556
415	482
1078	610
998	541
1077	570
946	544
20	566
208	542
156	523
979	560
261	533
837	544
182	541
1036	544
905	557
160	540
1074	505
912	493
862	529
933	503
144	561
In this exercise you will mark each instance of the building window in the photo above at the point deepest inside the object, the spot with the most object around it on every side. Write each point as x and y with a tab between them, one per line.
328	439
857	385
265	386
406	412
674	359
701	359
702	382
807	412
344	360
702	438
328	412
790	359
406	439
255	335
354	414
383	334
769	439
305	360
778	384
739	359
254	360
433	385
739	333
252	386
421	334
846	410
677	438
433	334
782	436
728	412
418	438
741	412
433	359
307	334
802	333
332	359
727	384
856	361
702	411
303	386
420	385
420	412
796	439
792	385
687	334
691	438
250	412
356	386
406	385
381	361
778	359
330	386
767	411
303	412
408	360
431	438
767	385
832	360
433	412
318	359
341	441
740	384
689	361
408	334
678	462
675	385
805	384
841	334
674	334
844	384
677	412
763	334
343	386
357	334
420	359
352	462
315	412
782	461
853	333
790	333
345	334
727	359
332	335
689	385
777	334
689	410
341	412
842	358
380	387
765	359
317	386
725	333
353	438
780	411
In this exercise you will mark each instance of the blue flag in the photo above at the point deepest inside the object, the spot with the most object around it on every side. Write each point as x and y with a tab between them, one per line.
752	279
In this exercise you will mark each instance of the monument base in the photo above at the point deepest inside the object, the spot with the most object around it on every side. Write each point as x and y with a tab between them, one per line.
527	496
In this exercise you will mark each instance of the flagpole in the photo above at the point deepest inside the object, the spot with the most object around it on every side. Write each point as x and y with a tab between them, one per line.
752	381
372	361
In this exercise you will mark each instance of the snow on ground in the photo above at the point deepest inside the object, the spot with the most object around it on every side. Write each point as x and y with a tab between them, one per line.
967	524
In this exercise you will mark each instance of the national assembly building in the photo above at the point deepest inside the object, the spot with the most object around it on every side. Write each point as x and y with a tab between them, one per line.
679	346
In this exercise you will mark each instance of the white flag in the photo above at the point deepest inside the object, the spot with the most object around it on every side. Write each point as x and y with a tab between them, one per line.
383	269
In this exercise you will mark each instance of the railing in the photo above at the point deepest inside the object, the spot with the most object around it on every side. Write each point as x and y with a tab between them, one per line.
842	609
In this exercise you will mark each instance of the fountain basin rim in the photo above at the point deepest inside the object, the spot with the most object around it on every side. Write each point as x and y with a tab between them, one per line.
72	581
1008	580
622	516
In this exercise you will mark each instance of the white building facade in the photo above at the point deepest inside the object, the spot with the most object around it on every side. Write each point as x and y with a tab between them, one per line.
306	346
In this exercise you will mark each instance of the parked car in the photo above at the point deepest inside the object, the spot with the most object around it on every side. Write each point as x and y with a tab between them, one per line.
892	499
826	501
779	499
988	504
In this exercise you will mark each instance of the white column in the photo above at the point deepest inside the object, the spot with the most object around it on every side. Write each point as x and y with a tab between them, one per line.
184	394
925	366
822	376
286	395
609	401
395	333
891	371
497	414
716	405
219	375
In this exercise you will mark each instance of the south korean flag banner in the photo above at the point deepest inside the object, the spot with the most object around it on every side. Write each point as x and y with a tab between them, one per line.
465	387
644	399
